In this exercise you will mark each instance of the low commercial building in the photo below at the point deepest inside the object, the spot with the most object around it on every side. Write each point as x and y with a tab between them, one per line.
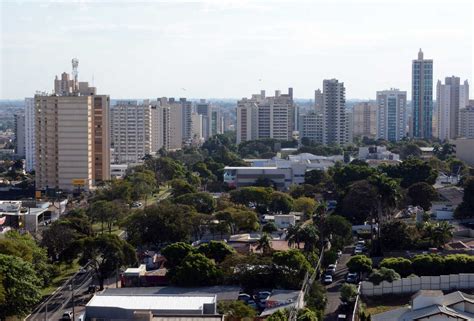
378	153
21	215
464	150
152	307
282	172
432	305
449	199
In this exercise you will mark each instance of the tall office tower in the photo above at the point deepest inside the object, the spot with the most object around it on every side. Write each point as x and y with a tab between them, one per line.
131	131
365	120
334	113
176	122
266	117
466	124
311	127
450	98
72	139
20	146
422	96
30	134
391	114
318	101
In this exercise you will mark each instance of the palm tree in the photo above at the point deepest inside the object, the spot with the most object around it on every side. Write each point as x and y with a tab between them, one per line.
309	235
293	235
441	234
319	219
264	244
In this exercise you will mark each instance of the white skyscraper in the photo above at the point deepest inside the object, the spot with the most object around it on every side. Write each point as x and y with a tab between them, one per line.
30	134
334	113
176	122
391	114
131	131
266	117
450	98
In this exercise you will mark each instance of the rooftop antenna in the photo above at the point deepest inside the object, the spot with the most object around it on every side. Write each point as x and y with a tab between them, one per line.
75	64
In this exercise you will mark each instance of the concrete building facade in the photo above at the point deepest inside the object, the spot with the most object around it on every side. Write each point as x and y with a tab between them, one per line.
72	139
175	117
466	122
334	113
422	96
131	131
311	127
29	134
20	135
365	120
391	114
451	97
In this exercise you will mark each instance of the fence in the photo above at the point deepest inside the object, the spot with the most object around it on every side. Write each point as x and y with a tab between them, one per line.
416	283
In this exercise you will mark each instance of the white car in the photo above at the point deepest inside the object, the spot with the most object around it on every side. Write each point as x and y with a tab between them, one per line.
327	279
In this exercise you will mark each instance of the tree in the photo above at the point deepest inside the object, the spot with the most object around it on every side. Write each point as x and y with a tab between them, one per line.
235	309
383	274
58	240
357	204
269	228
264	244
422	194
466	208
305	204
143	182
21	285
294	235
252	196
306	190
290	268
279	315
309	235
316	298
115	190
280	202
181	187
106	253
442	152
340	229
412	171
348	292
410	150
239	219
395	235
306	315
203	202
427	264
165	168
215	250
399	264
263	181
176	252
346	175
441	234
316	177
106	212
196	270
360	264
161	223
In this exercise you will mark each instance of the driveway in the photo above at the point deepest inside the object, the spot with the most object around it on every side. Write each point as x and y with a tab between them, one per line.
333	289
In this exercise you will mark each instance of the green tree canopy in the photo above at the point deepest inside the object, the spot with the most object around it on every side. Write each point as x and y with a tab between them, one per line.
316	177
216	250
181	187
269	228
235	309
399	264
358	203
280	202
360	264
346	175
203	202
196	270
412	171
383	274
290	267
466	208
395	235
422	194
251	196
21	285
305	204
410	150
238	219
348	292
176	252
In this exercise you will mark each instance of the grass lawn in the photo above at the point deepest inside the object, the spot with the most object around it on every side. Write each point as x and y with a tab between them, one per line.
66	272
379	304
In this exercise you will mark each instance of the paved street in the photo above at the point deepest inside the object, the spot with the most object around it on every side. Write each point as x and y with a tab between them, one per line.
333	289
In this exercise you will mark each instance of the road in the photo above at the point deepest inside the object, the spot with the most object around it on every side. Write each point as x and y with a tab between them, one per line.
333	294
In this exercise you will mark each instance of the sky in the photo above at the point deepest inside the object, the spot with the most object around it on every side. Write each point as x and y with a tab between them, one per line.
231	48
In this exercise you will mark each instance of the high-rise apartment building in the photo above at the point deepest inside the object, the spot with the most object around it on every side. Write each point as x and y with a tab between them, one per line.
391	114
466	124
311	127
365	119
318	101
20	135
450	98
422	96
72	138
266	117
197	127
29	134
334	113
131	131
212	118
176	122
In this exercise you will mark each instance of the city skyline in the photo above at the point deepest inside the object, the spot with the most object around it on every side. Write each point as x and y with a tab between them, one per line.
210	52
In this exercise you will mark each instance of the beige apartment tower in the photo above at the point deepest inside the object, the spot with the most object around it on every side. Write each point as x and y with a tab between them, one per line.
72	146
365	120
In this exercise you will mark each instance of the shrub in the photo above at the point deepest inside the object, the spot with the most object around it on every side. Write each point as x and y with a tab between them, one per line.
360	264
401	265
348	292
428	264
383	274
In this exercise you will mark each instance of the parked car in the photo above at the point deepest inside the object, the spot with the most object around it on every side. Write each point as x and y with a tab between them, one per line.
341	317
327	279
244	297
252	304
351	278
68	315
263	295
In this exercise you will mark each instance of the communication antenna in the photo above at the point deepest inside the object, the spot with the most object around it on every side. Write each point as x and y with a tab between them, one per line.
75	73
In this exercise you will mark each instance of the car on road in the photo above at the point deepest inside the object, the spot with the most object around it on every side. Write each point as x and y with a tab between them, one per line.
68	315
263	295
327	279
136	205
341	317
244	297
351	278
331	269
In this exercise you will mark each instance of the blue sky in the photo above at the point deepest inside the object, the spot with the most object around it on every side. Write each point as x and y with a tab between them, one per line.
229	48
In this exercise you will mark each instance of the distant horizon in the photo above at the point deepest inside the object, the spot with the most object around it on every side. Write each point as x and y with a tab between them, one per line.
232	48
